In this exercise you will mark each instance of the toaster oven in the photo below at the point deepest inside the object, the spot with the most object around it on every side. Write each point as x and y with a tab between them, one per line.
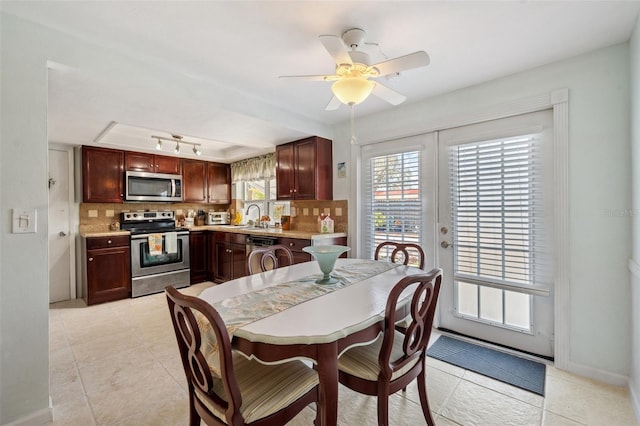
218	218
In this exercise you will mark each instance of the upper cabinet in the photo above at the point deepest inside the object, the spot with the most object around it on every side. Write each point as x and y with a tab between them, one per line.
205	182
304	170
141	162
102	175
219	183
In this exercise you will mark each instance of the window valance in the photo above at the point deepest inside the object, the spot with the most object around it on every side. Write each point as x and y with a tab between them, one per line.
255	168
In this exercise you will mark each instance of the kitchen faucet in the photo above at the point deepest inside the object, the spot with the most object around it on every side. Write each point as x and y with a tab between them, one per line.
259	216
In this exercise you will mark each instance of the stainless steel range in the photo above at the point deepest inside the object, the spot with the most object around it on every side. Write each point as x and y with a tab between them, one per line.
159	251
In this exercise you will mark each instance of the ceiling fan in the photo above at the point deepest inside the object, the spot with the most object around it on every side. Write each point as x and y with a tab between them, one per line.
352	83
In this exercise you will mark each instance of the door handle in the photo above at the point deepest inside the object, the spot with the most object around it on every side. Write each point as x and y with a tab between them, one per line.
62	234
445	244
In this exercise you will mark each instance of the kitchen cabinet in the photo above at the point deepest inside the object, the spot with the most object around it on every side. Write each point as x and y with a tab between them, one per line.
102	175
142	162
205	182
229	259
219	183
296	245
198	255
106	265
304	170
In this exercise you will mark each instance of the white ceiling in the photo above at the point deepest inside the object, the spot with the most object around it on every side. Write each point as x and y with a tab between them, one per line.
237	50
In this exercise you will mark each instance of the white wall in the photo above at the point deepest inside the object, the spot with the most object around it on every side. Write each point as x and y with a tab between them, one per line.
26	50
599	182
634	382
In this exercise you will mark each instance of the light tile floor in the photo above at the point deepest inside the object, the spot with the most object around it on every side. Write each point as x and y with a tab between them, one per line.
118	364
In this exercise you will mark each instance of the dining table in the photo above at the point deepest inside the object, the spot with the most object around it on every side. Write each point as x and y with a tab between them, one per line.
283	314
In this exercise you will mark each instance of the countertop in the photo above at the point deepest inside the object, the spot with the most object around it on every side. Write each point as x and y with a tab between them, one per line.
267	232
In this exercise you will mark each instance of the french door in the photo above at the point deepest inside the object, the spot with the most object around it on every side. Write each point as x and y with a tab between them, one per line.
495	228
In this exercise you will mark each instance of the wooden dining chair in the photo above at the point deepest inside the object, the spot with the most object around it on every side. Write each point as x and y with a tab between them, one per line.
225	387
404	253
395	359
267	258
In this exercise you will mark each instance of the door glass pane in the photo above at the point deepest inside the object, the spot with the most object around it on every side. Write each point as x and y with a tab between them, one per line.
467	299
517	312
491	304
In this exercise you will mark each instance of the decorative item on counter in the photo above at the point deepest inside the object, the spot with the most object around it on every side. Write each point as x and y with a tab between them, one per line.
200	218
237	219
115	226
180	221
264	221
285	221
325	224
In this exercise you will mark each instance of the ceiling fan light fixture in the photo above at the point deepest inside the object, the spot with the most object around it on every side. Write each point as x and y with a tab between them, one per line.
352	90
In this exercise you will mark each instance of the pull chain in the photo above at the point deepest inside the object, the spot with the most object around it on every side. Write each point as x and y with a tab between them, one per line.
353	129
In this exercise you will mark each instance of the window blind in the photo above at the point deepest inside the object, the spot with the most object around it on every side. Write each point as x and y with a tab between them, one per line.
392	199
497	207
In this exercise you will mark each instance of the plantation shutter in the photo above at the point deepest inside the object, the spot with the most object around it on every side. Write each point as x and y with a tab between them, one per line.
497	208
392	199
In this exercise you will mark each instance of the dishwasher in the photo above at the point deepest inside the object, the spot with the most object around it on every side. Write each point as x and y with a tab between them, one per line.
258	241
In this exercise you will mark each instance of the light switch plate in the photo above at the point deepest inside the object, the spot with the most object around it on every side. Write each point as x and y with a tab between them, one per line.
24	221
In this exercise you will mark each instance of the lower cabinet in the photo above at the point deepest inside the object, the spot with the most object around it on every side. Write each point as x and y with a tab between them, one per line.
296	245
106	269
198	256
229	258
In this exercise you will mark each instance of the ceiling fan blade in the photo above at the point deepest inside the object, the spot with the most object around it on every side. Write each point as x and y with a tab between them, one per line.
403	63
336	48
333	104
311	77
389	95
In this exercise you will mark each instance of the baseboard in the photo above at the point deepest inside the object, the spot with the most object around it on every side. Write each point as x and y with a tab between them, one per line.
41	417
599	375
635	399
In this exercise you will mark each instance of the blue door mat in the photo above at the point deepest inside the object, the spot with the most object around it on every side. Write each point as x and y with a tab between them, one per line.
522	373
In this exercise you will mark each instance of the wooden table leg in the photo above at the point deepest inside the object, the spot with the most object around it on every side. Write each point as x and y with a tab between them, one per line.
328	376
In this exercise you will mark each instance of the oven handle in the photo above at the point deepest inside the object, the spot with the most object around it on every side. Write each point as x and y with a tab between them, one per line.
142	236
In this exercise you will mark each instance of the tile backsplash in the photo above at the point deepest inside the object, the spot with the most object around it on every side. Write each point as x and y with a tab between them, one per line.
98	217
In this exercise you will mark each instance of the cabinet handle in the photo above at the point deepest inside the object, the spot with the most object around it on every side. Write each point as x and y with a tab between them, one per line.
290	244
91	259
108	241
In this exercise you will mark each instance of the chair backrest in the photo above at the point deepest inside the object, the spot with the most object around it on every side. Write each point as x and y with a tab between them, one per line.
267	258
405	253
191	317
420	309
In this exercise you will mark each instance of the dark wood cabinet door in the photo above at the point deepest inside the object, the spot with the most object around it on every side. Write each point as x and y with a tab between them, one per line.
102	175
194	181
305	168
166	164
198	255
219	183
224	262
139	162
296	245
108	274
285	173
239	260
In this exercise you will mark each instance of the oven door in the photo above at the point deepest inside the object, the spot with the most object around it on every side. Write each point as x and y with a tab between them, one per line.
143	262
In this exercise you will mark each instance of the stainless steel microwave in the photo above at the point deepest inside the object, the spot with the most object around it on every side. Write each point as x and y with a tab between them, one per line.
145	186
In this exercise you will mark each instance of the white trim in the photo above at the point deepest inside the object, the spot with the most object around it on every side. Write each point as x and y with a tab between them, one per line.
635	398
597	374
40	417
562	297
634	267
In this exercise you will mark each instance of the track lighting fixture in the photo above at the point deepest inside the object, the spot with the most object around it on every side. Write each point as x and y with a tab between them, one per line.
178	140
